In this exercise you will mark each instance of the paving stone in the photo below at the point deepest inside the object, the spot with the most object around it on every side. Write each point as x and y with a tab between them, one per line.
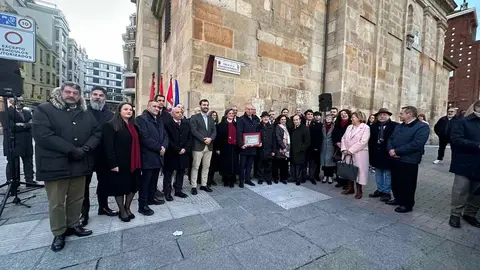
225	201
303	213
154	234
363	219
91	265
216	260
456	255
266	224
426	242
144	258
82	250
21	260
328	233
227	216
260	209
333	205
342	259
202	243
278	250
386	251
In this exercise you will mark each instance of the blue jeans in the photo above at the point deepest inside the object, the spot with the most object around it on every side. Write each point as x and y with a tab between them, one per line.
384	180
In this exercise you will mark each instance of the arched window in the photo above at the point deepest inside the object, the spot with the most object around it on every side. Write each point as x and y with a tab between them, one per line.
410	20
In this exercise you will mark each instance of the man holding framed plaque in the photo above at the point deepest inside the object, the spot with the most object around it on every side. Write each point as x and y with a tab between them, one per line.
248	139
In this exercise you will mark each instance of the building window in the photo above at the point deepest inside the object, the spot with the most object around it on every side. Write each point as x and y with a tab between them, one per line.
113	76
103	66
41	74
112	83
41	56
47	93
33	71
103	74
168	19
48	77
41	91
90	71
451	74
102	81
54	60
113	68
89	79
48	59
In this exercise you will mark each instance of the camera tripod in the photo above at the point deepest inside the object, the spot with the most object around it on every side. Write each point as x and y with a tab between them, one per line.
13	178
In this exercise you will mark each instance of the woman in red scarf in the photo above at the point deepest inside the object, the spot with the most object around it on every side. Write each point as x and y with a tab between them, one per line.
122	147
227	146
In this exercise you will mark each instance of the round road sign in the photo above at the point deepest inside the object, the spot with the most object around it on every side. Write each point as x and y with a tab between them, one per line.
13	38
25	24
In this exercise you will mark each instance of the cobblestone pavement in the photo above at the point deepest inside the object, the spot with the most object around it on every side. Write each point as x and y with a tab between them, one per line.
275	227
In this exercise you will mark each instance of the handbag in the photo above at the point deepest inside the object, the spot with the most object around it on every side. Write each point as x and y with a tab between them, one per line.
337	155
347	170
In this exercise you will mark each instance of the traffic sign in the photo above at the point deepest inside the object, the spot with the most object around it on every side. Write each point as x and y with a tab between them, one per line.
17	37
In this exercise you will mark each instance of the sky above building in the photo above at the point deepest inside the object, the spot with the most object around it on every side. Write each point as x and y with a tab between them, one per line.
98	25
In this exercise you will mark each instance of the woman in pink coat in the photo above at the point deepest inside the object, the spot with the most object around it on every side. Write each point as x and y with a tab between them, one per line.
355	145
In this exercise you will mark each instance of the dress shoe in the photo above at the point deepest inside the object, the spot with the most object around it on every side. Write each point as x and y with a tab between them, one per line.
313	181
180	194
124	219
156	202
240	185
297	183
169	197
84	220
32	184
225	184
472	221
338	185
283	182
207	189
376	194
275	181
386	198
403	209
454	221
194	191
107	211
250	183
392	202
232	185
213	183
131	216
78	231
269	183
58	243
146	211
260	182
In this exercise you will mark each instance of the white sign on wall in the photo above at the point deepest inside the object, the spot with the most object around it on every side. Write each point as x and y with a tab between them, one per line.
17	37
229	66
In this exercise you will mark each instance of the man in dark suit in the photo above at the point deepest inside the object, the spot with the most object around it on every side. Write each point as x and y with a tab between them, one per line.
153	144
203	132
246	124
177	155
313	152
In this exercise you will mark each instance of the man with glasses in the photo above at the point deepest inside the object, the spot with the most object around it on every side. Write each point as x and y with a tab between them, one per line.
443	129
66	135
271	117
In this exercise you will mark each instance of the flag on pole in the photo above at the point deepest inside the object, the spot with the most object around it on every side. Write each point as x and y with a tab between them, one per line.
170	96
152	87
177	95
160	87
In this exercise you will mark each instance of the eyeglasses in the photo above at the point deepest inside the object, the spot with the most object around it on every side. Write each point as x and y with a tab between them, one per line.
451	111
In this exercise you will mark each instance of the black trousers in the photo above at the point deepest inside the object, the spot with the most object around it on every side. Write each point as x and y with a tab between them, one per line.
282	166
177	184
256	166
148	186
296	172
265	170
328	171
246	164
102	199
442	145
404	182
27	167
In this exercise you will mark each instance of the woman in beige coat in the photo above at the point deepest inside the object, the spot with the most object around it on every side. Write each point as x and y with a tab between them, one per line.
355	145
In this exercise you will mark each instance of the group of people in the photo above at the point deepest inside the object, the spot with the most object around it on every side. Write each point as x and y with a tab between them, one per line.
129	152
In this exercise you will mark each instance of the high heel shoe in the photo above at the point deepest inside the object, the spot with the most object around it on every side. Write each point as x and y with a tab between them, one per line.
124	219
129	213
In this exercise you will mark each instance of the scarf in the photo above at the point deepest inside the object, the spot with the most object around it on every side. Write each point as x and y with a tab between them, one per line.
232	134
328	126
286	135
477	114
344	123
135	155
381	129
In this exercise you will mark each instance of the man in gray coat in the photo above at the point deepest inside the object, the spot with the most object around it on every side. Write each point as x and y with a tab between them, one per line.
203	132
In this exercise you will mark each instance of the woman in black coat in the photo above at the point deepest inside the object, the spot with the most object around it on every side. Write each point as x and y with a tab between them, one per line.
282	148
122	148
226	145
300	139
343	120
465	139
214	161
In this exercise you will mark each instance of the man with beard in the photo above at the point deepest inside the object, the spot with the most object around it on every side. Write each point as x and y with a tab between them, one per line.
102	114
204	132
162	113
65	136
153	144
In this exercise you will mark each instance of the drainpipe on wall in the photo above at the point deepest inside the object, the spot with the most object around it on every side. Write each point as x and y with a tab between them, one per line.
325	45
160	42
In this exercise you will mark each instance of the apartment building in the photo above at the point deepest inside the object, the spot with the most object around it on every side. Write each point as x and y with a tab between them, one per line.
107	75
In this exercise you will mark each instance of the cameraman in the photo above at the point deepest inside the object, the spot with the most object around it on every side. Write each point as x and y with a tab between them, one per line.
20	124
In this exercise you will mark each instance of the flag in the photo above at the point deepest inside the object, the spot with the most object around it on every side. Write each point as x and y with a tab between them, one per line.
170	96
160	87
177	95
152	87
